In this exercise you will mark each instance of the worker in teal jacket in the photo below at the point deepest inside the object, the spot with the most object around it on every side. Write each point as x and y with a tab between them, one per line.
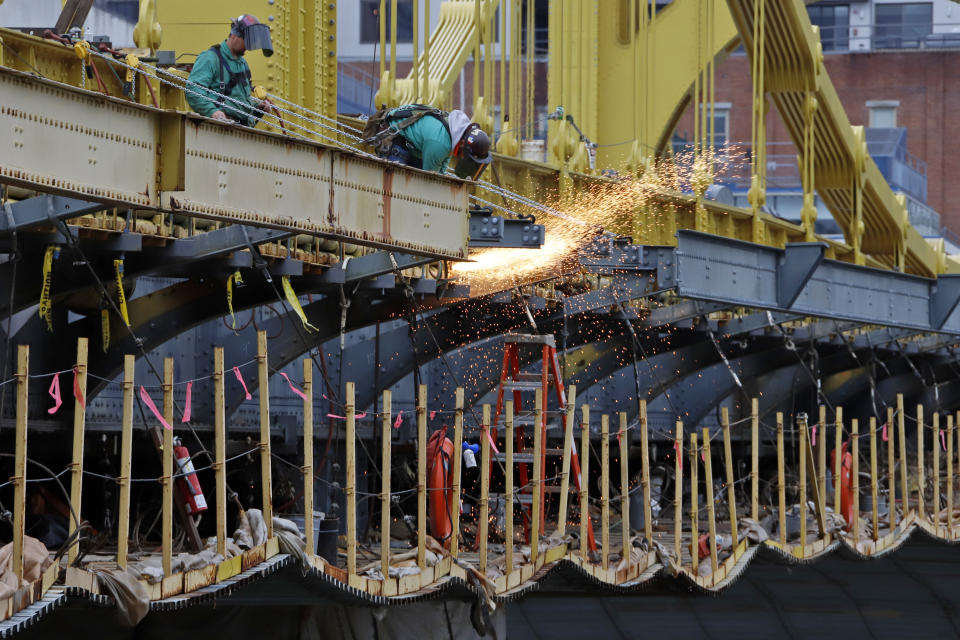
427	138
222	70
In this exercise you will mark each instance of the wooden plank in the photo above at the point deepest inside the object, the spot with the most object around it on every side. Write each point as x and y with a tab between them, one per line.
921	462
604	490
350	451
199	578
645	472
20	460
229	568
166	486
585	482
781	484
220	450
838	442
457	472
508	491
308	455
822	458
565	465
855	451
936	470
694	505
678	492
623	439
266	481
728	464
950	472
711	515
802	426
873	478
891	471
484	514
386	461
536	482
902	441
754	459
126	450
79	428
422	477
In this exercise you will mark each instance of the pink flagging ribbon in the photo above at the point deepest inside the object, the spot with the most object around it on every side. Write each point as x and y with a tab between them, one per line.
884	434
943	440
76	389
147	400
188	403
433	413
676	449
302	395
357	416
813	437
493	444
54	392
236	372
399	420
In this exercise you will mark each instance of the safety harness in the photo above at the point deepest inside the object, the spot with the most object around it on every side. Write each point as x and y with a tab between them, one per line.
235	77
383	127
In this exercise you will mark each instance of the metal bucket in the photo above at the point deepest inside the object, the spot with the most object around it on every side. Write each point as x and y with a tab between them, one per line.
327	533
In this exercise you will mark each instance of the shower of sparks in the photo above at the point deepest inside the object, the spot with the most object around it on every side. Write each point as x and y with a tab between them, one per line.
626	206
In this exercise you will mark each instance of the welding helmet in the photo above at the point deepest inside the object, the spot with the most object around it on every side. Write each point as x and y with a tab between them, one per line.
255	34
472	153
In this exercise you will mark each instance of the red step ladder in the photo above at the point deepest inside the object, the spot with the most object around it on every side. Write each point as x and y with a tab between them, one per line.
512	380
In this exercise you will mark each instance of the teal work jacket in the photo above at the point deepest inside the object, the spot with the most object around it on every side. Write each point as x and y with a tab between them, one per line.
207	72
430	141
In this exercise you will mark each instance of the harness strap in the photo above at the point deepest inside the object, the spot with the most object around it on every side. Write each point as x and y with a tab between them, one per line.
236	77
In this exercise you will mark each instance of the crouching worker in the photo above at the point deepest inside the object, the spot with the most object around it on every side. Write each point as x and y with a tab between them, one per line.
427	138
221	71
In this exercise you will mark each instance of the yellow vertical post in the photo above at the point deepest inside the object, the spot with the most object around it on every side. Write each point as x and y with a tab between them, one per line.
79	427
584	482
936	469
484	523
645	473
855	451
383	37
781	488
604	489
949	473
126	448
416	49
220	448
422	476
802	427
266	480
678	492
536	483
624	487
386	462
891	472
350	453
822	457
508	485
476	58
393	49
728	464
837	441
902	441
307	457
426	50
873	478
565	465
455	483
20	460
754	459
694	505
921	462
166	543
711	513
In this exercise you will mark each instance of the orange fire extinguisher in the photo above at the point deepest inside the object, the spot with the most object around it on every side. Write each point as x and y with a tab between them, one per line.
846	482
442	501
187	483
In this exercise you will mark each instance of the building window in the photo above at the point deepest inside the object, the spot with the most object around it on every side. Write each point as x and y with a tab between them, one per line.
834	23
370	21
721	123
902	25
883	113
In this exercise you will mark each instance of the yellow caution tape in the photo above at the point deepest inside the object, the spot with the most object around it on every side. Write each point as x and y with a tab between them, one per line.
118	269
295	303
235	278
105	328
46	306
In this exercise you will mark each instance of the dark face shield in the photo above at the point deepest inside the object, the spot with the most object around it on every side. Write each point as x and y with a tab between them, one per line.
470	169
257	36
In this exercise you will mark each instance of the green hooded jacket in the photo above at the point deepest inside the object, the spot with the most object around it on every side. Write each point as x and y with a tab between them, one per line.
429	140
208	72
